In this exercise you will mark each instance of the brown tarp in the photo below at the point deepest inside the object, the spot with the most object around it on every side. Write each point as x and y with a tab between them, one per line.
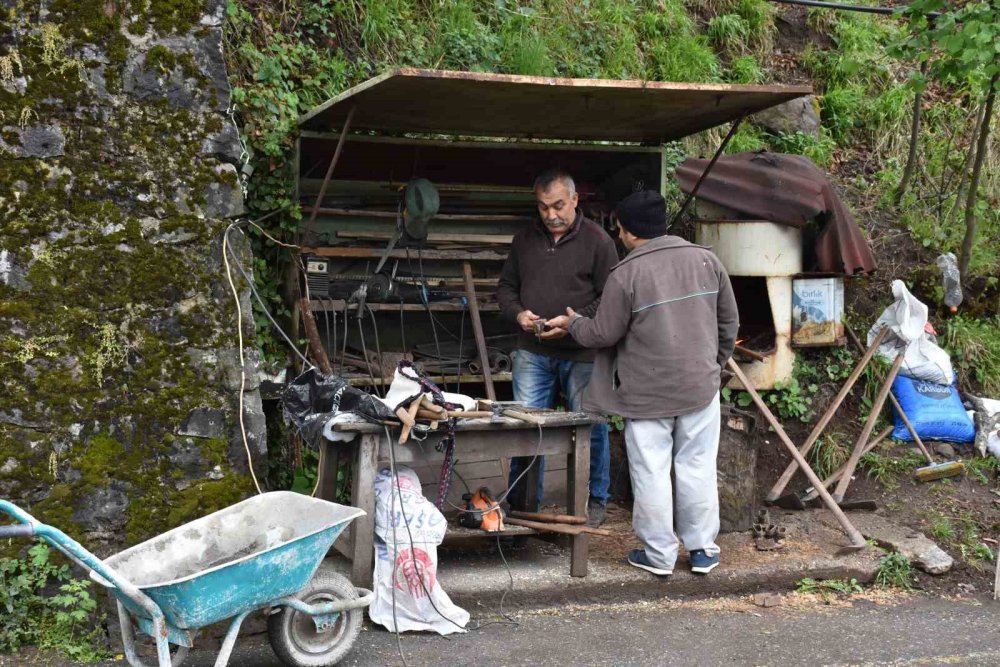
789	190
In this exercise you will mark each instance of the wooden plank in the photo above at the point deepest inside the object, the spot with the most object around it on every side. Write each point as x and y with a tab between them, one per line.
443	306
577	484
370	253
392	215
363	497
466	103
501	239
517	144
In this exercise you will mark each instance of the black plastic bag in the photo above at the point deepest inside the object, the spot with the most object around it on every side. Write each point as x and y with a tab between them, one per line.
312	399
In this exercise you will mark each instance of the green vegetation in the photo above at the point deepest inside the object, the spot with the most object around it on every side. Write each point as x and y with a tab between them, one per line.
974	345
885	466
68	622
895	571
828	587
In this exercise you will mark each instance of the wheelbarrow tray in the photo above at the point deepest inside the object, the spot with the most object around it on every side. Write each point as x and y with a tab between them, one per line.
235	560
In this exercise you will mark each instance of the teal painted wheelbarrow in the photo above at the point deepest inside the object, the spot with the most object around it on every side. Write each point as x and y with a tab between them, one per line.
261	553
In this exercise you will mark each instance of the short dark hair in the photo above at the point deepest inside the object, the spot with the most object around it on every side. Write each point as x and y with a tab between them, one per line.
545	180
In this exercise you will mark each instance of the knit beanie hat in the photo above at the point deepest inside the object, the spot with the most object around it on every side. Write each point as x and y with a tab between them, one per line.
643	214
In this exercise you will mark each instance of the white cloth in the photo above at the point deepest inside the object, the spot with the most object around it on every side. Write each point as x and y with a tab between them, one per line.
907	319
340	418
689	444
405	386
408	528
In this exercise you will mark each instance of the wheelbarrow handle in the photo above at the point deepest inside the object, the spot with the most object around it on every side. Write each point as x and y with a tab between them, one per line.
17	530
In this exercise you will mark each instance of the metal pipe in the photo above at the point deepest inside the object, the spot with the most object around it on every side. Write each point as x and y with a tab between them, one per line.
329	172
715	158
850	8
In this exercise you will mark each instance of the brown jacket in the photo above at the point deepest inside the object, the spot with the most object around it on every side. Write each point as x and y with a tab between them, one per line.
545	277
666	324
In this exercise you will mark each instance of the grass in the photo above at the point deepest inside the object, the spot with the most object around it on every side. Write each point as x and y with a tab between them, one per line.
983	469
829	453
974	346
826	587
885	468
745	69
895	571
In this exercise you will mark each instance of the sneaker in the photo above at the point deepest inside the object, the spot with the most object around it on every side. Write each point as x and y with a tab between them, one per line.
595	512
702	563
637	558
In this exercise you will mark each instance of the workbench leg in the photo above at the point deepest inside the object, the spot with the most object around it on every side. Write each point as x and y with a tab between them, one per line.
329	466
577	492
363	497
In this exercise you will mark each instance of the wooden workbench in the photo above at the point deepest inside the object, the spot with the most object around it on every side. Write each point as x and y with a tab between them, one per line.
563	433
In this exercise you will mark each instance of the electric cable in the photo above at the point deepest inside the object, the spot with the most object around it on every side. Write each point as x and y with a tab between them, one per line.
260	301
364	351
243	372
378	351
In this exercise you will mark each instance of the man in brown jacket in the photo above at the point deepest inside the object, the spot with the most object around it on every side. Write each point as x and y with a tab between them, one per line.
561	260
665	327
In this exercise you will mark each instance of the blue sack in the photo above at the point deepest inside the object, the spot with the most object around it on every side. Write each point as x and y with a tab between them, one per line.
935	410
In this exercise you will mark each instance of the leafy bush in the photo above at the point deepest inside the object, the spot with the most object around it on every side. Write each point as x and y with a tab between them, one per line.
895	571
67	622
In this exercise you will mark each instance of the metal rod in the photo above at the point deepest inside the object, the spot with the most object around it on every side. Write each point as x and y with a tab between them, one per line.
786	476
715	158
329	172
850	8
857	539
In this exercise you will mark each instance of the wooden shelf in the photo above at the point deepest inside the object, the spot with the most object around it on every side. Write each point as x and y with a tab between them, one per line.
320	305
372	253
365	381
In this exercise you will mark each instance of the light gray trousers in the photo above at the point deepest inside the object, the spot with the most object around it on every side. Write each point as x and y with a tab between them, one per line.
689	444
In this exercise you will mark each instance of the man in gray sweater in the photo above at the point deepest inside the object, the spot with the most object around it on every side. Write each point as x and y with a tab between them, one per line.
665	327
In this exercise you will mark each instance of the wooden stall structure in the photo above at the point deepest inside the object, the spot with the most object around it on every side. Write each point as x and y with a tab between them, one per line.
480	139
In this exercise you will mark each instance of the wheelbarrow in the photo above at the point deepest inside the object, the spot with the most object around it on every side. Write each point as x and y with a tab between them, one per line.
261	553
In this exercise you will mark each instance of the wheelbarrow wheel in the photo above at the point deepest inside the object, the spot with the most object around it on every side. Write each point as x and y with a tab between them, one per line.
294	636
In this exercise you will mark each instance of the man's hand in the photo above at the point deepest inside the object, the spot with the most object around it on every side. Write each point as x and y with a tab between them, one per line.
559	325
526	320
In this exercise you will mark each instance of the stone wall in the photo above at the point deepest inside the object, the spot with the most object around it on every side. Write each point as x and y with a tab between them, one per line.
119	366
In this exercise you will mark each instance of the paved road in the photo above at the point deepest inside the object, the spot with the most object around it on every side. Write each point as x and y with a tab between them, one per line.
915	631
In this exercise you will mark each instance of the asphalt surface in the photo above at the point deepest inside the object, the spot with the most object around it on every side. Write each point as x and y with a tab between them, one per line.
914	631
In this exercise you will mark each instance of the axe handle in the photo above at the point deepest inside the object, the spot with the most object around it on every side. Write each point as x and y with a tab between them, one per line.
561	528
550	518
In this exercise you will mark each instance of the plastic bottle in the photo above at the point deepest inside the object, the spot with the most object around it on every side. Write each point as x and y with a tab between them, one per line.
951	280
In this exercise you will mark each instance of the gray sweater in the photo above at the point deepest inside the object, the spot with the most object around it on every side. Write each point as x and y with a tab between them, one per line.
666	325
545	277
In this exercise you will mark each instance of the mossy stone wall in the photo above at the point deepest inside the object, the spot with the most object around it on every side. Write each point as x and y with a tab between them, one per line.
119	368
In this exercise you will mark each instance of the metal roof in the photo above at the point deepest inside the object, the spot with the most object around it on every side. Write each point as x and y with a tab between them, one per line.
506	105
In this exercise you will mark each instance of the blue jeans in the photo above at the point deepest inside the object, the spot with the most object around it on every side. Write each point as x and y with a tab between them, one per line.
537	379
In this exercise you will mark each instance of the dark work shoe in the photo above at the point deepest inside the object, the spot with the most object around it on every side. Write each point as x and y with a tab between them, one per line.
637	558
702	563
595	512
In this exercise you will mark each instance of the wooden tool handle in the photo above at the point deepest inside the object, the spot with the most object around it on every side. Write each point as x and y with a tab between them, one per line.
524	416
550	518
561	528
404	416
404	435
750	353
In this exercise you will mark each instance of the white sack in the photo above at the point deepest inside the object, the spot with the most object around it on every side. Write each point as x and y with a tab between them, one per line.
906	318
416	584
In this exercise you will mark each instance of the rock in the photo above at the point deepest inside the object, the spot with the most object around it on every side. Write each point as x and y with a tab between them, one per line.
767	599
207	89
12	273
186	455
103	509
944	450
15	86
9	466
204	423
798	115
36	141
921	551
224	144
224	199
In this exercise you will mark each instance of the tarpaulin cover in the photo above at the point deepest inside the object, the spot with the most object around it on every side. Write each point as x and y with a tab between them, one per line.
312	399
789	190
